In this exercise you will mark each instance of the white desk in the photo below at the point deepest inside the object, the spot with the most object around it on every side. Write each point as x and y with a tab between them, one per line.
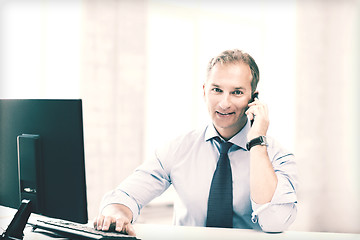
159	232
169	232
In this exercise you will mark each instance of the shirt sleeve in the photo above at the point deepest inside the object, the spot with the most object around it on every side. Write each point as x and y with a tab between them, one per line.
147	182
281	211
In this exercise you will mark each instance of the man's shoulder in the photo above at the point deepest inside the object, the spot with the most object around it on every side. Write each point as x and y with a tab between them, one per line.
191	136
185	141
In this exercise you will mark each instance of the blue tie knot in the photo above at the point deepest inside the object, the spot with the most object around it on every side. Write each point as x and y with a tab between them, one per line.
224	147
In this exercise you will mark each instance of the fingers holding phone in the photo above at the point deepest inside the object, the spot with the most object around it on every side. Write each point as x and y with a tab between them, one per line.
258	114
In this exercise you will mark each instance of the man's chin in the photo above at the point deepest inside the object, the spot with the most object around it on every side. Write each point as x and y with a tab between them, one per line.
229	127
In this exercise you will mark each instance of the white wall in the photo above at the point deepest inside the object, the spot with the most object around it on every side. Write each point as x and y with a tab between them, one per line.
327	113
40	48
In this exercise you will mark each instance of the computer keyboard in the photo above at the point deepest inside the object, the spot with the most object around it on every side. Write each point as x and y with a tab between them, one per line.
76	230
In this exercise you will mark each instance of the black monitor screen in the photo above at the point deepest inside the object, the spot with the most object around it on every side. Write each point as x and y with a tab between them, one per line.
42	157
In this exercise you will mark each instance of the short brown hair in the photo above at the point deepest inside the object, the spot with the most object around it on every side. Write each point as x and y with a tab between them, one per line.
237	56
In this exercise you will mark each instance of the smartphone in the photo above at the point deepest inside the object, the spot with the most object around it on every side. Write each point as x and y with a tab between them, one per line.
255	95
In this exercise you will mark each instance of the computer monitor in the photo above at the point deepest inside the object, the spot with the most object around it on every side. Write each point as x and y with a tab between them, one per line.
42	157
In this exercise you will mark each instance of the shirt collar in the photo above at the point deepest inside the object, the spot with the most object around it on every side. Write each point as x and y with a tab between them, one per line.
239	139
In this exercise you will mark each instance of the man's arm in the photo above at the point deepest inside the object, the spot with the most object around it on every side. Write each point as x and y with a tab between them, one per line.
263	179
278	214
273	177
120	207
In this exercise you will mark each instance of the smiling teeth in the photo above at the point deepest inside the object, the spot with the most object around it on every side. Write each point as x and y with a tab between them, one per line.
224	113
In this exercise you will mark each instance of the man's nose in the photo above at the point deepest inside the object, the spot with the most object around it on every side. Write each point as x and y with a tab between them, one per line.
225	102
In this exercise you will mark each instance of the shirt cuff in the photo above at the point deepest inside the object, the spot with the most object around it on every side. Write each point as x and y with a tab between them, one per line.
257	208
284	193
120	197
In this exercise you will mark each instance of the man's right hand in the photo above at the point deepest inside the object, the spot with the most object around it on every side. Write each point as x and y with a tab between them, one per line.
117	217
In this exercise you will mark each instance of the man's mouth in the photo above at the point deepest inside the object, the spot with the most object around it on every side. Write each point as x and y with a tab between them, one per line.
225	114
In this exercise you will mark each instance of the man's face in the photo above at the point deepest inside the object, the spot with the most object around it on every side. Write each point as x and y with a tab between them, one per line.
227	93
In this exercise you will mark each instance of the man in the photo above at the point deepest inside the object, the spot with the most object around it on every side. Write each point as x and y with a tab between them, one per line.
263	175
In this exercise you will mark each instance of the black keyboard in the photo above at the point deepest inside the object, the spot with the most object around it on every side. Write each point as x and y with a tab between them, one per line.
76	230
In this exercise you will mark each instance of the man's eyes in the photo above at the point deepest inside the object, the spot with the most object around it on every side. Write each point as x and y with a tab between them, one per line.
236	92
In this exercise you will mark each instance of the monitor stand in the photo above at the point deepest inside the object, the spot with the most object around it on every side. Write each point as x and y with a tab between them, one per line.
15	230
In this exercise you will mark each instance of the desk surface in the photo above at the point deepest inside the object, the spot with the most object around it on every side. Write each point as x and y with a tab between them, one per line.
153	232
159	232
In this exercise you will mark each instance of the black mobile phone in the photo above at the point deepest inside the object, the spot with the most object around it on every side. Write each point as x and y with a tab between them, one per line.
255	95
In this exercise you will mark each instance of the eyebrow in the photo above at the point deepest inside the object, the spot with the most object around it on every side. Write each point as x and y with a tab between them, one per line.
236	88
240	88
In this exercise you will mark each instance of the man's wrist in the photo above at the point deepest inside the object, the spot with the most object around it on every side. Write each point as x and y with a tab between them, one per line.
261	140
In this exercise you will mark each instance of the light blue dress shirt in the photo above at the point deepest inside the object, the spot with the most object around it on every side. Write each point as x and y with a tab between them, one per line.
188	163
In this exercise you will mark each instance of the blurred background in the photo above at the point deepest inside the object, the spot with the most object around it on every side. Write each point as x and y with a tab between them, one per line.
139	66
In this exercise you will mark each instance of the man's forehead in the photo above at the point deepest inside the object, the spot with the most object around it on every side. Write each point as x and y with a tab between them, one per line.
225	71
230	65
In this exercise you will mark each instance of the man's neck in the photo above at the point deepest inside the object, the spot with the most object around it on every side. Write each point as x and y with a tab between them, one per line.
228	133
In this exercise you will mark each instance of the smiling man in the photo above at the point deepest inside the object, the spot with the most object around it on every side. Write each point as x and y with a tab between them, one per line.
227	174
